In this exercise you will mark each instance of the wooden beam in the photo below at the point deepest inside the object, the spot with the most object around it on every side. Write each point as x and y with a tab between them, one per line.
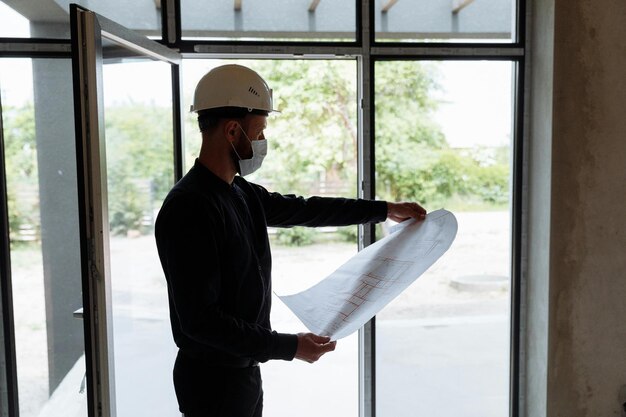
313	5
458	5
388	5
238	5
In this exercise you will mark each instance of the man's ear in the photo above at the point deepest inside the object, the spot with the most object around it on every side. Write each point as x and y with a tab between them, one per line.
231	129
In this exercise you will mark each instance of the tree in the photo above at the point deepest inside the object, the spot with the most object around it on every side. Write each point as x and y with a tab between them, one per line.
314	137
413	159
409	162
20	158
139	163
312	142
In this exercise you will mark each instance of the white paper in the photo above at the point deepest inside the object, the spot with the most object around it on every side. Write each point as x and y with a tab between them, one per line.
349	297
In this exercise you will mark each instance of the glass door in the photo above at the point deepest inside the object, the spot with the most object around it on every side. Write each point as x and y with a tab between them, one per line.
126	123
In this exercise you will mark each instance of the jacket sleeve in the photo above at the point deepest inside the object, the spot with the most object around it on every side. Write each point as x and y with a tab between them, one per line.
290	210
188	242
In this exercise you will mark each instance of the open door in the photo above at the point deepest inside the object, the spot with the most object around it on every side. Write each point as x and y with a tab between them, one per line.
127	118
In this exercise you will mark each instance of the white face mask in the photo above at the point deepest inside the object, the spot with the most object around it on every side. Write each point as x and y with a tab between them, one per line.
259	151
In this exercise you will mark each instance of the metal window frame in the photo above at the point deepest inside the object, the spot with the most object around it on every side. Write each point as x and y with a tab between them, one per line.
367	51
87	62
8	368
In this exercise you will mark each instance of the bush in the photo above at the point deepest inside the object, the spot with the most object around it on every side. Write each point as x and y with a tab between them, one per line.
492	184
348	234
296	236
140	171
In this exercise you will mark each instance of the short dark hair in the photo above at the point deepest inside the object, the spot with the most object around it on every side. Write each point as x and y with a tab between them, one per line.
209	118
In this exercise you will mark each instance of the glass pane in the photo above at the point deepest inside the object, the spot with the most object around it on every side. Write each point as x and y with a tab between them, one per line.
139	161
300	20
447	335
50	18
142	16
445	21
43	220
312	151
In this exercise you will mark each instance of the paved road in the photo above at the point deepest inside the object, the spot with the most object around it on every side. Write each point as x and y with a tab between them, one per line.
441	352
437	367
444	367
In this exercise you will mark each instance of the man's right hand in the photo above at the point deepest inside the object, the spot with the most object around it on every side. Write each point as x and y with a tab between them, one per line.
311	347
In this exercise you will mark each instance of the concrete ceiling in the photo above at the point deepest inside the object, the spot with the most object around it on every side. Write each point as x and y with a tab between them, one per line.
293	18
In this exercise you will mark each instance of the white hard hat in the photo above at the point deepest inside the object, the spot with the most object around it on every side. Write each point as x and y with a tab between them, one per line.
232	86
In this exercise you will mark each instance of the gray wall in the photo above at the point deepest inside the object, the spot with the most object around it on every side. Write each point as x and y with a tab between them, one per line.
59	214
577	233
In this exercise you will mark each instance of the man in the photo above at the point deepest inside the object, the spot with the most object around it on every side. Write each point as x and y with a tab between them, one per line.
212	239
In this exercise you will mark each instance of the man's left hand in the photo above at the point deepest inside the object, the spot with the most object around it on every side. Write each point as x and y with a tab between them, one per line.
400	212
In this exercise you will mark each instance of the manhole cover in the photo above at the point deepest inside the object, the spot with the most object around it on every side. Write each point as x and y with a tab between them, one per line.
480	283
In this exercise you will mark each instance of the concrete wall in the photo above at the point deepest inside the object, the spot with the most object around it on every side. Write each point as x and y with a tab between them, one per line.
579	93
424	19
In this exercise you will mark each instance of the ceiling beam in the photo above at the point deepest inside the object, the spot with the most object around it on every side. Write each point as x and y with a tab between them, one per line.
313	5
388	5
458	5
238	5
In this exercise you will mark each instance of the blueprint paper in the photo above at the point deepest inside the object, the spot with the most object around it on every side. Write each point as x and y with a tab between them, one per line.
349	297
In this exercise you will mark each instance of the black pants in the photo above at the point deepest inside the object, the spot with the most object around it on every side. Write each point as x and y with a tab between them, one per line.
211	391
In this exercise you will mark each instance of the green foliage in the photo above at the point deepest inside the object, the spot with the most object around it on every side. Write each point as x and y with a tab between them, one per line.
312	141
314	137
413	159
295	236
139	164
20	153
491	183
348	233
139	160
128	206
410	164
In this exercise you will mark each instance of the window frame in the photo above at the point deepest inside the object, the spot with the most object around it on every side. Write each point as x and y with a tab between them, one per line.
367	51
8	372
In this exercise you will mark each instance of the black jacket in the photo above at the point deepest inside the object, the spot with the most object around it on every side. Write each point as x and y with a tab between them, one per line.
213	245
